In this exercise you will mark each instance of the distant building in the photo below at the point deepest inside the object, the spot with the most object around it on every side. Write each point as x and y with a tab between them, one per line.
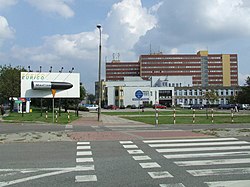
205	69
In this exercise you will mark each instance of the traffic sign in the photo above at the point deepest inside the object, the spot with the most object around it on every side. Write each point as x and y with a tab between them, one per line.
138	94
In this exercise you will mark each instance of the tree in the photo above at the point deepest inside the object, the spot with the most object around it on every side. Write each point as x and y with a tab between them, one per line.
10	80
211	97
243	96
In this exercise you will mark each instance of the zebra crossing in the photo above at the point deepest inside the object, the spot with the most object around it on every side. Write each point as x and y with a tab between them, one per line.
208	157
83	159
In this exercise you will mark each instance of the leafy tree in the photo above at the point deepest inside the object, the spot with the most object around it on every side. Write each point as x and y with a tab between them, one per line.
91	98
10	80
243	96
211	96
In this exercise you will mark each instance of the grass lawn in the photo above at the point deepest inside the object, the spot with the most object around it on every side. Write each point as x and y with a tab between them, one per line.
189	119
183	116
161	112
35	116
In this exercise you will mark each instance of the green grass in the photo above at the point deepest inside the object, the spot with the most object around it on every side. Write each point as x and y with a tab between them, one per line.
189	119
161	112
35	116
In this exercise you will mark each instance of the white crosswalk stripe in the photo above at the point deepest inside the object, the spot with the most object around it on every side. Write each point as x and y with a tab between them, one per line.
200	155
238	183
215	156
83	156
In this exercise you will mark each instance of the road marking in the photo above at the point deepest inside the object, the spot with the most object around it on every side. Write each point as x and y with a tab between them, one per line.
201	149
85	178
213	162
2	184
83	143
82	147
221	171
77	168
172	185
190	140
160	174
132	152
68	126
141	158
84	153
199	155
84	160
198	144
126	142
130	146
150	165
238	183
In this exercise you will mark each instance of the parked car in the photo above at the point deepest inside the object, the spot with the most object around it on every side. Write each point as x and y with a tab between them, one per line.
122	107
159	106
133	107
197	106
92	107
112	107
226	106
185	106
243	106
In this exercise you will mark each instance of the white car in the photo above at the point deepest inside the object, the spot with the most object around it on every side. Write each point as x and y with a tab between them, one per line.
92	107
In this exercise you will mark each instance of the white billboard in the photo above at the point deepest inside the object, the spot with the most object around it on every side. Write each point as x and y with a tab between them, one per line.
41	84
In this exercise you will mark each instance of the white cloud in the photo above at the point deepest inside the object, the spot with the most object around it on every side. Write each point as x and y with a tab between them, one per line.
7	3
126	23
6	32
197	22
60	7
77	50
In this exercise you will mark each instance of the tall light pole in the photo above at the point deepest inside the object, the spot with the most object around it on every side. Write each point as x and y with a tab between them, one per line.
99	74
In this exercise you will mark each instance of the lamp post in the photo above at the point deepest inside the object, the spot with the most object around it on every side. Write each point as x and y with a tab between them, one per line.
99	73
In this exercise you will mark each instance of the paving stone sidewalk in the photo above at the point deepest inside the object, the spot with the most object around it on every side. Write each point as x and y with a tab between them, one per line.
90	118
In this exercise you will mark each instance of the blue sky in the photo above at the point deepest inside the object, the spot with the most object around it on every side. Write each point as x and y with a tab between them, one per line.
63	33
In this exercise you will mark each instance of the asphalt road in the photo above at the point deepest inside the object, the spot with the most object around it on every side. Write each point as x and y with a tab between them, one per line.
122	155
181	162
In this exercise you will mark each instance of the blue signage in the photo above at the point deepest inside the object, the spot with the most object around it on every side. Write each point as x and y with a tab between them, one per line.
138	94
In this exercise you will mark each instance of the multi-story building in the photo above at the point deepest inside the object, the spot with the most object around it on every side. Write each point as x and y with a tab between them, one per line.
205	69
187	76
116	70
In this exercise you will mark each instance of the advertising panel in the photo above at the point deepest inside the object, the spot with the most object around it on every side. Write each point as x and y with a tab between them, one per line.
41	85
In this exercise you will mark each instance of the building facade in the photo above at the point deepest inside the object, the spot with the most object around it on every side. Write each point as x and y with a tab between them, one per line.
205	69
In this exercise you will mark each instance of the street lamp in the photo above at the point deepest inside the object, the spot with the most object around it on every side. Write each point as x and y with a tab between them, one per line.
99	73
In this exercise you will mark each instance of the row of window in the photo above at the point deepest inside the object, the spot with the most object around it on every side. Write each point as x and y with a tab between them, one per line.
202	92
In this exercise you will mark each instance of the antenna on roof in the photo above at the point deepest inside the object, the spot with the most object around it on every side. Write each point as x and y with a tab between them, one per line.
150	49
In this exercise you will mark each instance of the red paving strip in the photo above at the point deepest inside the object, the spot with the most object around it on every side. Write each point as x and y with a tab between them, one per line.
131	135
168	134
91	136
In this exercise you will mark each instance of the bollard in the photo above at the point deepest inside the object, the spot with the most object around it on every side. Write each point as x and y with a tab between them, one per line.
212	116
193	115
156	117
174	116
46	115
68	117
232	115
56	116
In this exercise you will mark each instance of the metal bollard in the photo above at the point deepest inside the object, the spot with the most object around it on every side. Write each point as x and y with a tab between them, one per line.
68	117
46	115
156	117
56	116
212	116
174	117
193	115
232	115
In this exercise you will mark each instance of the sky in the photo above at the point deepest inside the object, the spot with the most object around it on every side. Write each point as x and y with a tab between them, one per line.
63	33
